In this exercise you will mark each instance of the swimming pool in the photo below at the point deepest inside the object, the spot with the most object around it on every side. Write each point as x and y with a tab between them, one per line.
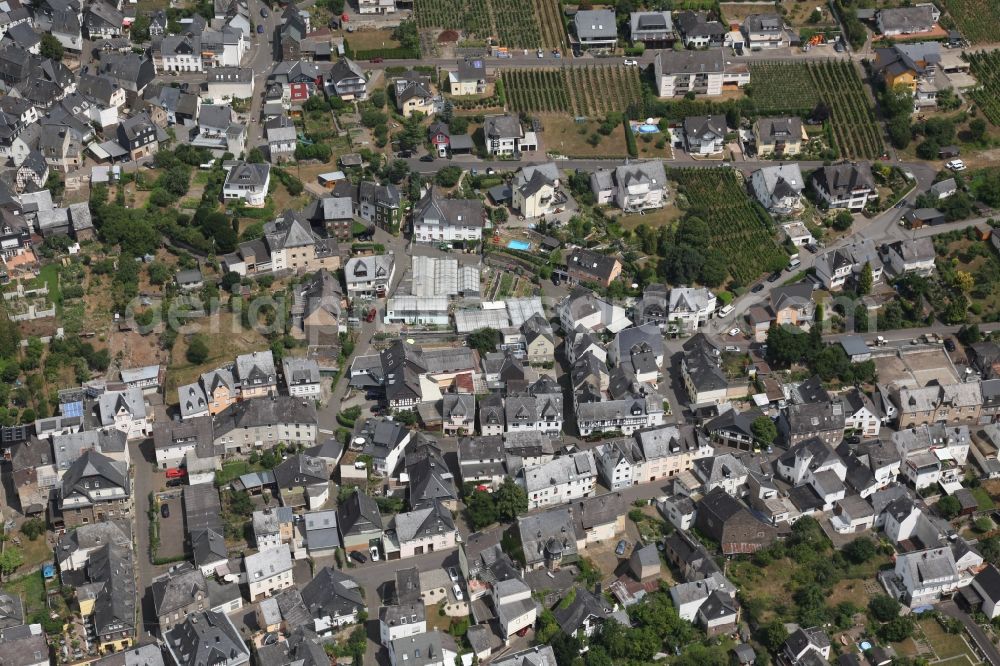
646	128
865	646
519	245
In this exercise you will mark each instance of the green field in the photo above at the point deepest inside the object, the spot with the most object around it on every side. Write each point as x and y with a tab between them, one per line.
976	19
986	69
741	228
591	91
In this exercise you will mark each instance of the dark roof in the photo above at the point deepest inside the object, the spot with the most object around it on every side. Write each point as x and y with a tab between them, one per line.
205	637
584	604
358	514
595	264
989	581
332	593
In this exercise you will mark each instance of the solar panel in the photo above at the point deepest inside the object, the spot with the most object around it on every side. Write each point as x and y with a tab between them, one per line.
71	409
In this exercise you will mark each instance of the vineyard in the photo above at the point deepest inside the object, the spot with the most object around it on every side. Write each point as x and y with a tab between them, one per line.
591	91
520	25
740	227
986	69
797	88
782	88
976	19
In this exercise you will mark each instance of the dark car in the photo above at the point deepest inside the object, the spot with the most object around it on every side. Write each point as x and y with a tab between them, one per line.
165	510
263	12
620	549
358	557
949	344
427	158
260	29
757	289
812	248
174	483
854	440
404	154
774	277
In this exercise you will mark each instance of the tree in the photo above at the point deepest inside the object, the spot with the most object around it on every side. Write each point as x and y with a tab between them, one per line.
969	335
159	272
964	281
197	351
860	550
481	508
33	528
843	220
764	430
977	130
448	176
511	500
458	125
949	507
499	215
897	629
255	156
50	47
485	340
230	281
865	280
10	560
773	635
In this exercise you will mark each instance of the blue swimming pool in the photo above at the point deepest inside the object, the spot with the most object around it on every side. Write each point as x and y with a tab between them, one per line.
519	245
646	128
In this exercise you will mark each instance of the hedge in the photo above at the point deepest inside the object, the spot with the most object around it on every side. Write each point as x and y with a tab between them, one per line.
633	150
398	53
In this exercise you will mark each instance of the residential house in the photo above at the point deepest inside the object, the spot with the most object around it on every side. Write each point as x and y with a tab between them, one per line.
779	188
424	530
281	139
347	80
302	376
249	182
229	83
595	29
835	267
503	134
95	488
847	185
255	375
206	635
654	29
724	471
381	205
560	480
302	481
640	350
943	403
701	371
913	20
138	136
258	423
987	585
764	31
535	190
791	305
585	266
583	616
429	478
914	255
106	596
432	648
359	522
860	414
668	451
469	78
725	520
710	602
515	607
414	95
705	135
385	443
924	577
806	646
369	277
625	415
943	188
779	136
268	572
481	460
321	533
273	527
616	462
912	66
677	73
582	308
690	307
401	620
823	420
932	453
440	220
458	414
177	594
697	31
102	21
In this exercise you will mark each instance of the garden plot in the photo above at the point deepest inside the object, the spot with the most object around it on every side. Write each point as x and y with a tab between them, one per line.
592	91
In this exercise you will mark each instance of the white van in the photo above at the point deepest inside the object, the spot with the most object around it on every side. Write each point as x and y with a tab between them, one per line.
793	264
726	310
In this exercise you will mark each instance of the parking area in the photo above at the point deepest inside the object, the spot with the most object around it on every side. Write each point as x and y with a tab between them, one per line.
172	526
916	368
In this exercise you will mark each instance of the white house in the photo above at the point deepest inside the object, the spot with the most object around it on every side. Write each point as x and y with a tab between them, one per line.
860	414
691	307
987	584
560	480
779	188
914	255
503	134
249	182
923	577
301	376
268	572
848	185
125	411
705	135
437	219
401	621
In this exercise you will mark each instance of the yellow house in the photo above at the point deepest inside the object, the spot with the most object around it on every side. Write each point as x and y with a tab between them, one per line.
220	388
779	136
468	79
907	64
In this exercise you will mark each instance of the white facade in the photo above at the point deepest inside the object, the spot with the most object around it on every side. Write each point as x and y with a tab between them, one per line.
561	480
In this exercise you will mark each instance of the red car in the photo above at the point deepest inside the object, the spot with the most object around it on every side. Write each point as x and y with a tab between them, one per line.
370	317
176	473
375	60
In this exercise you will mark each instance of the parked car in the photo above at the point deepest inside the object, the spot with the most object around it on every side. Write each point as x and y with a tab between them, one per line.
458	592
176	473
373	551
620	549
735	332
376	60
812	248
427	158
854	439
774	277
630	62
358	557
453	574
404	154
757	289
165	510
955	165
539	53
263	12
949	344
260	29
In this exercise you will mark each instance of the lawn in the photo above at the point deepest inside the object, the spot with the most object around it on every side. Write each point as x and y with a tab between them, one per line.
985	501
655	219
31	589
566	137
234	469
366	40
947	646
